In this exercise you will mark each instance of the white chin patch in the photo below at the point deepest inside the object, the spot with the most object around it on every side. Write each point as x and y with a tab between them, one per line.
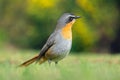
73	21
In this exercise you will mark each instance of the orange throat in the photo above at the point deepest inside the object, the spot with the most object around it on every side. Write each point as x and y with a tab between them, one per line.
67	32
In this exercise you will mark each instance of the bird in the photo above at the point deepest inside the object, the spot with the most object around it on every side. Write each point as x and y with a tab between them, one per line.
58	44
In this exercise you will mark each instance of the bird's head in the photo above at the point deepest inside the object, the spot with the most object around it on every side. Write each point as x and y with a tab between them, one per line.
66	18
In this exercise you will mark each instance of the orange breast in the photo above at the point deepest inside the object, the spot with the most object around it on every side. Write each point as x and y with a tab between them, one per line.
67	32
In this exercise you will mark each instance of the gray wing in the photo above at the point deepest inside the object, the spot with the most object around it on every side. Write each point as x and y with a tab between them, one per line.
50	42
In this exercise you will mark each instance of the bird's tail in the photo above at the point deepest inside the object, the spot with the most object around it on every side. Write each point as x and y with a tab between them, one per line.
30	61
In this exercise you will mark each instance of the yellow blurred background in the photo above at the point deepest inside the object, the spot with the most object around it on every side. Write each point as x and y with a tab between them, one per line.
27	24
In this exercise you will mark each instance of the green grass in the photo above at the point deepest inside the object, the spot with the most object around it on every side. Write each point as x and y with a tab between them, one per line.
73	67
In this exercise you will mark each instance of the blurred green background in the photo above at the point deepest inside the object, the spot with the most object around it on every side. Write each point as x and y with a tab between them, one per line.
27	24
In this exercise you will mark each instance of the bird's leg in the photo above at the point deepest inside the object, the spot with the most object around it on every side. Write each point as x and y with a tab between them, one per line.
49	61
56	63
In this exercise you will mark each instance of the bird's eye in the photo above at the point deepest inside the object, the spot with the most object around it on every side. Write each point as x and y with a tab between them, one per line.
70	19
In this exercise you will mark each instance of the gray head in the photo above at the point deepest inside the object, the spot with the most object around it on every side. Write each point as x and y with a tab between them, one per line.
65	19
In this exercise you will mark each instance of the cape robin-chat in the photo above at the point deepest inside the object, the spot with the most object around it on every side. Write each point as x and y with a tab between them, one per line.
58	44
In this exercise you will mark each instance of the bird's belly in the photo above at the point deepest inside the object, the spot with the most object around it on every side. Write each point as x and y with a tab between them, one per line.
59	50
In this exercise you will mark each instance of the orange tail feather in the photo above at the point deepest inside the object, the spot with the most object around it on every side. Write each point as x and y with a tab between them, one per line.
28	62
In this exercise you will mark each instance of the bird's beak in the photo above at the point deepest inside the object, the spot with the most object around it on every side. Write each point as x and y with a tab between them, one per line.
76	17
